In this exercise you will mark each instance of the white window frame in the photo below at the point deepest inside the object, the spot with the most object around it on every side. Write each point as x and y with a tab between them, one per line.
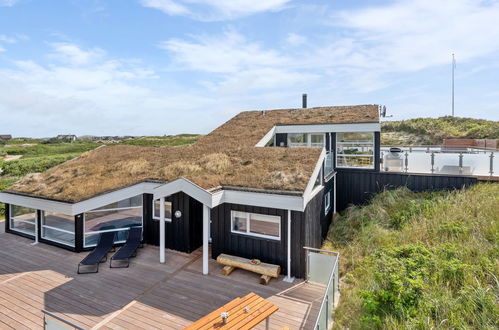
56	229
85	233
153	209
309	140
327	202
360	155
271	218
11	218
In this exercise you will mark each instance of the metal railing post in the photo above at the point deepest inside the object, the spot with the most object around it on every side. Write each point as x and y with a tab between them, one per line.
406	161
432	157
491	170
460	163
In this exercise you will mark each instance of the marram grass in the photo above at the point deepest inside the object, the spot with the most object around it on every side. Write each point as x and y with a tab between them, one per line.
420	260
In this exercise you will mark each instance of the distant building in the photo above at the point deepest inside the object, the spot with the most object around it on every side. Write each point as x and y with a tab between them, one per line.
66	137
5	137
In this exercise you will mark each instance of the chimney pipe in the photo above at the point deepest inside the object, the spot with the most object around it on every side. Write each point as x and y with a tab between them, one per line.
304	101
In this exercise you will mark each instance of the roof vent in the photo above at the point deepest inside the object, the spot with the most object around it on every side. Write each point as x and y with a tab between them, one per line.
304	101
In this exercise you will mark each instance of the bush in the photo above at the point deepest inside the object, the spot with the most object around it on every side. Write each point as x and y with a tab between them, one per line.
420	260
25	166
435	130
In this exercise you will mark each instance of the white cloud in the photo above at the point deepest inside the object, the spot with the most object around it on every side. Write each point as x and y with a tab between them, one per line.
8	3
417	34
106	96
241	65
72	54
7	39
294	39
2	49
213	10
230	52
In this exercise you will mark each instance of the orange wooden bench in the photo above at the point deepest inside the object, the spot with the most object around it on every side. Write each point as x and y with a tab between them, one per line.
242	313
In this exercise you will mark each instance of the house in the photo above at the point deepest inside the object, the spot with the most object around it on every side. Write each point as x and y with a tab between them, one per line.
262	185
5	137
67	137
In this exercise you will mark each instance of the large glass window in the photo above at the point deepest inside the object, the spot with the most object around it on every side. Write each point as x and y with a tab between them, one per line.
156	210
355	150
259	225
22	219
58	227
116	217
306	140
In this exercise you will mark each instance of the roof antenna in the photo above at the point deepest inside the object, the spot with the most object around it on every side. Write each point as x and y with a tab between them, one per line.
304	101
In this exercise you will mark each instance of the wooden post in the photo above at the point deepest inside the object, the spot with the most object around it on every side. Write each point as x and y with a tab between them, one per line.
206	237
161	230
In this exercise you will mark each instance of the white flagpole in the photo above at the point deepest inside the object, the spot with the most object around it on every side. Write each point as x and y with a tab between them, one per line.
453	67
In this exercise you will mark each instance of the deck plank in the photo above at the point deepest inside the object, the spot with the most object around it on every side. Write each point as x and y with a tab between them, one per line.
148	295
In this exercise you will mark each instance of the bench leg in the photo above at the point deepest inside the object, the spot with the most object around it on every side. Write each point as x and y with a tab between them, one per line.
227	270
267	323
265	279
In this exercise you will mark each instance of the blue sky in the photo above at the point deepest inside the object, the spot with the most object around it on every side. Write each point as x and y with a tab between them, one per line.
155	67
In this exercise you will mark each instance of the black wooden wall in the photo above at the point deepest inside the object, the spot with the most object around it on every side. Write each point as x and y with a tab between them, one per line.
281	140
182	234
224	241
358	186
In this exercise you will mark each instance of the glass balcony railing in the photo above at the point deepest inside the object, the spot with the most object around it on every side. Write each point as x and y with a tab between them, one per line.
323	269
438	161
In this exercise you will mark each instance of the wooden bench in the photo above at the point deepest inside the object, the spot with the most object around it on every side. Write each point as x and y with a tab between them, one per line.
241	313
267	271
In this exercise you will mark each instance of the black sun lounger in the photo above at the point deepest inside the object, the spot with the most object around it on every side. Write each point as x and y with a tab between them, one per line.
99	254
129	250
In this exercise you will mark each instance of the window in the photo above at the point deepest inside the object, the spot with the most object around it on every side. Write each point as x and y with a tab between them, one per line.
355	150
306	140
259	225
317	140
168	210
327	202
58	228
22	219
116	217
297	140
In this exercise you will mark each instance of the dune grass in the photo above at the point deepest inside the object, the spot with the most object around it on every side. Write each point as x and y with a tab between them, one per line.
420	260
435	130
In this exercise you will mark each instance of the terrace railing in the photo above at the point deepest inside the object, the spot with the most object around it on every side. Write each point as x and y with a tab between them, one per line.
52	321
323	268
419	160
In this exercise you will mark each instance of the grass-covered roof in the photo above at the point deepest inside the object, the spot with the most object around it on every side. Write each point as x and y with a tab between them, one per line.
225	157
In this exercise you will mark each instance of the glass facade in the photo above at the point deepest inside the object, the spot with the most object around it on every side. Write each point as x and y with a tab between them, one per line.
355	150
117	217
22	219
59	228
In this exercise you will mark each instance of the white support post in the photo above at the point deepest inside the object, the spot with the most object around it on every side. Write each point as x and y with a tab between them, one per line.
36	227
288	278
162	230
206	237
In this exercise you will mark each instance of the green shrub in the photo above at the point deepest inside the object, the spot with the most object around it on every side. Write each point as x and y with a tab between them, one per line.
435	130
420	260
25	166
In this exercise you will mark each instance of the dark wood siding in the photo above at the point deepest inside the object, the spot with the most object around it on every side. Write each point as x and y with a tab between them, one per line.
182	234
78	232
377	149
281	138
7	218
267	250
358	186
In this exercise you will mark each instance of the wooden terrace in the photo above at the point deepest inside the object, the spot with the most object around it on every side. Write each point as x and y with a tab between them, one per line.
148	295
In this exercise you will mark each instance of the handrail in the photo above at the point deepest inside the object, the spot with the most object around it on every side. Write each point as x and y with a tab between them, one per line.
60	319
324	302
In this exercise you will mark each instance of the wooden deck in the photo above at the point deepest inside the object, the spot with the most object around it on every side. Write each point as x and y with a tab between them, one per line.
147	295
